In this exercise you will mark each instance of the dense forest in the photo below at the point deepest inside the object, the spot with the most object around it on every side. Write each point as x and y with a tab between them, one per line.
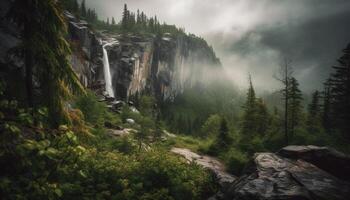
57	135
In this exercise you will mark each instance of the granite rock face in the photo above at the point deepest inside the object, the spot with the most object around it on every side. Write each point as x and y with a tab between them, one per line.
86	57
162	65
300	176
327	159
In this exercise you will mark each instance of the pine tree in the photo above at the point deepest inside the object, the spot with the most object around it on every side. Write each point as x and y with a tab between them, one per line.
46	52
107	21
262	117
339	84
326	109
88	15
125	17
275	120
151	24
223	139
75	8
284	77
143	19
138	18
295	106
314	113
249	116
131	20
83	9
113	21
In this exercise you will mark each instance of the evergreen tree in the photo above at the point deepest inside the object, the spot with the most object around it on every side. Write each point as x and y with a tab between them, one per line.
46	51
275	120
223	139
143	19
339	90
249	116
107	21
284	77
295	106
75	7
88	15
158	132
262	117
138	18
83	11
113	21
314	113
131	20
125	17
326	109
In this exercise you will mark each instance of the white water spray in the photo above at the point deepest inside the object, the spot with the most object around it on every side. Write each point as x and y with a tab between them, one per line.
107	71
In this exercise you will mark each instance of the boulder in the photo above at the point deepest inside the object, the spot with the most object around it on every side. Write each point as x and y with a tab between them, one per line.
328	159
292	173
215	166
130	121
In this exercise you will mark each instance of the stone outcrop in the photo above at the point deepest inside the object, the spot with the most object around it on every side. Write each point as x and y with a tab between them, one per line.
327	159
296	172
86	57
223	178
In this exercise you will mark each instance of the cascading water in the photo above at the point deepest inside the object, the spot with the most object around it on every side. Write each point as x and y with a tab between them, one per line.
107	71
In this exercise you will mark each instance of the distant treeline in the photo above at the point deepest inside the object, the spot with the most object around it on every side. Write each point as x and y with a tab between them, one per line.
130	22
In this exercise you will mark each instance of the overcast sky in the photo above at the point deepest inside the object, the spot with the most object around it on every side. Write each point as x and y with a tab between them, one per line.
252	36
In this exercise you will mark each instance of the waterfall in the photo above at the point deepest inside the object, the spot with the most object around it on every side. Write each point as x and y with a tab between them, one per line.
107	71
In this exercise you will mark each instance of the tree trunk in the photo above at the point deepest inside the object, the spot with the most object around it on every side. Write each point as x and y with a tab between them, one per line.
286	105
29	70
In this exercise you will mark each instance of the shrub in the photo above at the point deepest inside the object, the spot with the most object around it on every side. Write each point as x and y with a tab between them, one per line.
211	127
235	160
93	110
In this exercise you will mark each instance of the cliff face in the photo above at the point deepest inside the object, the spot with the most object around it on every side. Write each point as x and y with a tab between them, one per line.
161	65
86	50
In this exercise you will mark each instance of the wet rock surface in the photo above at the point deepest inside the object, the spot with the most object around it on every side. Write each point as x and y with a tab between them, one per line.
324	158
214	165
274	176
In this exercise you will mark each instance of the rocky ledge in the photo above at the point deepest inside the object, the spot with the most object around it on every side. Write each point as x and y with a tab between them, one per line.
223	178
295	172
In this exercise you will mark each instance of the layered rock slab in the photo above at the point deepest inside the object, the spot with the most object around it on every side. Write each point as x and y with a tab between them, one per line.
272	176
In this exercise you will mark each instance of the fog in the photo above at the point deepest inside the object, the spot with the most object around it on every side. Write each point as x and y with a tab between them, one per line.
252	36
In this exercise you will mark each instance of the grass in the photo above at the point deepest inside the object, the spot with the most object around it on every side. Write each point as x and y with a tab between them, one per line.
195	144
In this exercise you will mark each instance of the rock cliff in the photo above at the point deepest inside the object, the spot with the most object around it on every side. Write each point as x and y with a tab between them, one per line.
162	65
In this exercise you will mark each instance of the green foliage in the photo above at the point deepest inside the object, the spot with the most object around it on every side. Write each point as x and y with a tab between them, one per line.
92	109
295	107
235	160
314	114
223	140
211	126
46	55
147	105
190	110
339	95
255	119
59	165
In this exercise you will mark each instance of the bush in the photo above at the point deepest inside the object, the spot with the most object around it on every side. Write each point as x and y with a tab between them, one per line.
211	127
255	144
92	109
235	160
